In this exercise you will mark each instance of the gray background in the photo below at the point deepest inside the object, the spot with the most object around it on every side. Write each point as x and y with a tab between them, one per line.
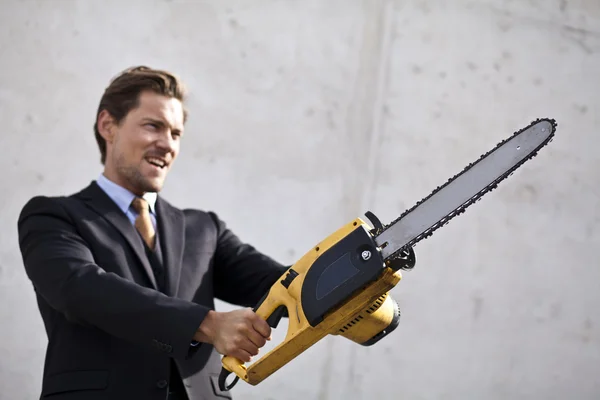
306	114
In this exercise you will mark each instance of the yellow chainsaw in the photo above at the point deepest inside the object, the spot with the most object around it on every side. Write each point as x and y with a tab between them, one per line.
341	286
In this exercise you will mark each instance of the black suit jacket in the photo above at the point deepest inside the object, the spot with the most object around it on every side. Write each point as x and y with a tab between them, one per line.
112	333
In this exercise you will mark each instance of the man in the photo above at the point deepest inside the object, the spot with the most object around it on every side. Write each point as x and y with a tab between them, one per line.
125	281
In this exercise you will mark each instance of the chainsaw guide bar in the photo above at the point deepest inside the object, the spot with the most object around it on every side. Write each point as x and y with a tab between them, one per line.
464	189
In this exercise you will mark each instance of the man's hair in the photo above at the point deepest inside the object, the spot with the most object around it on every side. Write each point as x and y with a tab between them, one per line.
122	94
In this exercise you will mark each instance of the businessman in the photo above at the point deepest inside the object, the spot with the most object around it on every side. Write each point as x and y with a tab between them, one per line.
125	282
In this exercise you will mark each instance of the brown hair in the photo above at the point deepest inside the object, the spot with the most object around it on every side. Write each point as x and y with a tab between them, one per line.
122	94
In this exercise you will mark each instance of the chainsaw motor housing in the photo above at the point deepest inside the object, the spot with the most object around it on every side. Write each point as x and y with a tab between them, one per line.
374	323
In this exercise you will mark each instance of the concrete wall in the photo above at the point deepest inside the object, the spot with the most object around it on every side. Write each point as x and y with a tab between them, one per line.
306	114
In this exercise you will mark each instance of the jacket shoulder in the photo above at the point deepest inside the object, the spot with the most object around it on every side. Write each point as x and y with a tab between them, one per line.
47	205
42	202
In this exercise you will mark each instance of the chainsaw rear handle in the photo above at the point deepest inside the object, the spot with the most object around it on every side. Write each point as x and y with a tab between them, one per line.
272	320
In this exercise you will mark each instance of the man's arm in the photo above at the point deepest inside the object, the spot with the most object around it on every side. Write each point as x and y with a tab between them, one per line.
62	269
242	274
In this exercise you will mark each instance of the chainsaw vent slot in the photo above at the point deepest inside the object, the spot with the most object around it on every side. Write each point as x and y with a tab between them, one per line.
376	304
351	324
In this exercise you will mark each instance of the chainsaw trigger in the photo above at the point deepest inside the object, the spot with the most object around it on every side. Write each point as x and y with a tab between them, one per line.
276	316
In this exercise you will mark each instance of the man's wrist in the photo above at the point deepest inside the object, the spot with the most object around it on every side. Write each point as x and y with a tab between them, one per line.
205	332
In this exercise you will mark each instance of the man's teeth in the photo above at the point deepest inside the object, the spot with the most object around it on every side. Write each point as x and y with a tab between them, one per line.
156	161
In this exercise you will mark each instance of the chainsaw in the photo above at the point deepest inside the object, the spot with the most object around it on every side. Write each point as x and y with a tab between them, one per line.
341	286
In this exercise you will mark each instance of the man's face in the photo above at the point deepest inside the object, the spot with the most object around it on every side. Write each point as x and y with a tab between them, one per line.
143	147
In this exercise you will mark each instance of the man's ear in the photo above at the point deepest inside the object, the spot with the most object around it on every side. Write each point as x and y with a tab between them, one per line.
106	125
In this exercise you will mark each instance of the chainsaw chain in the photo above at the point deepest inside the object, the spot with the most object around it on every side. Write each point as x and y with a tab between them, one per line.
427	233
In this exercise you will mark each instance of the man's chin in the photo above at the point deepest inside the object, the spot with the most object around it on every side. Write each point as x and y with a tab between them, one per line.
153	185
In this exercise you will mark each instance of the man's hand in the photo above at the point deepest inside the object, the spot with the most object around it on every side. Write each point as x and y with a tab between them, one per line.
238	333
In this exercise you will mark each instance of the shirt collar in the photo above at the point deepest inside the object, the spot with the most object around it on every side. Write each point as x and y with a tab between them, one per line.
123	197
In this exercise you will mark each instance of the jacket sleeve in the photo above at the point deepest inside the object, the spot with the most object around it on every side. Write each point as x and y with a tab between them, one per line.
242	273
62	269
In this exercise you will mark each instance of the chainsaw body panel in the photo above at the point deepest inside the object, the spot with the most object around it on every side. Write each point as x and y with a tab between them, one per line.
338	272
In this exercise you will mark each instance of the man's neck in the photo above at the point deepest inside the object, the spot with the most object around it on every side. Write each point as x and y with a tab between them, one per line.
114	178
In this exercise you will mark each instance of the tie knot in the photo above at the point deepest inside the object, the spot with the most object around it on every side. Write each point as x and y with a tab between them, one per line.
139	204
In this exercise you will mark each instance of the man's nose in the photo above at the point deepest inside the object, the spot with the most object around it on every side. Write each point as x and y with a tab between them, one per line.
166	142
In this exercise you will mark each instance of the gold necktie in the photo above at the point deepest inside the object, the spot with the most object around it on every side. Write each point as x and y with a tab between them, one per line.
143	222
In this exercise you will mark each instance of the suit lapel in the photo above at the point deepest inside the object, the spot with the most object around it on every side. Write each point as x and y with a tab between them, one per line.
98	200
171	235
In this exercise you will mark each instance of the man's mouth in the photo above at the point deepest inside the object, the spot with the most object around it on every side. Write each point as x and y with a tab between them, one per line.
156	161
